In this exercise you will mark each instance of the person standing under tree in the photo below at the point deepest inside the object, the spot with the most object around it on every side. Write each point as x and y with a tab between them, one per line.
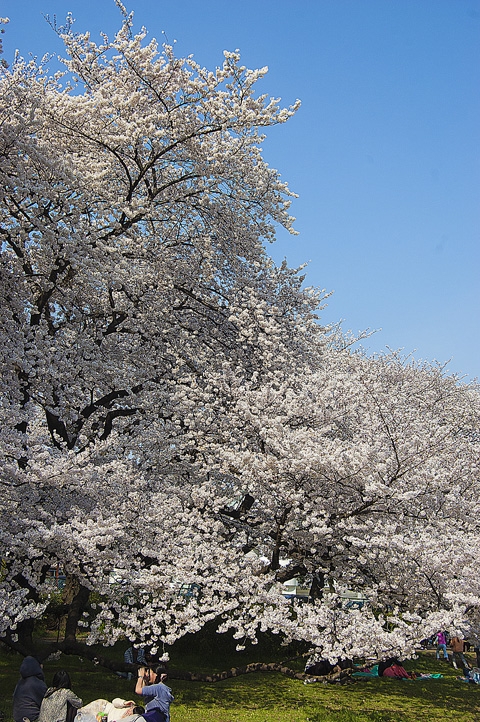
442	645
458	658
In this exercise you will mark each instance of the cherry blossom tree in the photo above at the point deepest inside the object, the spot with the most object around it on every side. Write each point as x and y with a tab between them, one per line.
365	477
135	205
179	434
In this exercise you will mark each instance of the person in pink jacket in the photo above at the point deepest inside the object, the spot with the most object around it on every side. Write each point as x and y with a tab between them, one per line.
442	645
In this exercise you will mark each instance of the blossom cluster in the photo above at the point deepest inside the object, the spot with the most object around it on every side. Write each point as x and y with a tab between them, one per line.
179	434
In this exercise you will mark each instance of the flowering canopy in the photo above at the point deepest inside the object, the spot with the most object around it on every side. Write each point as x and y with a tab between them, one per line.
178	433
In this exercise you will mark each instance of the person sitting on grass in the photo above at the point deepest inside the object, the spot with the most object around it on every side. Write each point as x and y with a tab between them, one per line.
392	667
135	715
150	685
58	697
29	691
118	709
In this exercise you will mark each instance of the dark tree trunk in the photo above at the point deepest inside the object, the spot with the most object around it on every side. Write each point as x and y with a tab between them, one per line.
76	597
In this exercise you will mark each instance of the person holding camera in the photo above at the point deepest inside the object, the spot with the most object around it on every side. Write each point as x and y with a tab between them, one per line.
150	685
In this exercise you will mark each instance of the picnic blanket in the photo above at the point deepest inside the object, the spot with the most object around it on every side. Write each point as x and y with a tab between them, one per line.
373	672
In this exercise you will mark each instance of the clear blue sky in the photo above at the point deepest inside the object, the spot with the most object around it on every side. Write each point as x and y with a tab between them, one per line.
384	152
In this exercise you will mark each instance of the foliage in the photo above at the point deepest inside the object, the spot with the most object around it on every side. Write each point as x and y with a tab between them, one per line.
179	434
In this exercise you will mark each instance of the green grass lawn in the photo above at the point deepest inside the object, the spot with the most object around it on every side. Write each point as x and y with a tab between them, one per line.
268	696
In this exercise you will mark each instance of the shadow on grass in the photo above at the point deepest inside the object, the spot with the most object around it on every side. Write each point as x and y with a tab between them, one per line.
270	696
376	700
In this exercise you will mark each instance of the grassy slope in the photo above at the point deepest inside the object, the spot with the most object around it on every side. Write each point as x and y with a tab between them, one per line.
271	697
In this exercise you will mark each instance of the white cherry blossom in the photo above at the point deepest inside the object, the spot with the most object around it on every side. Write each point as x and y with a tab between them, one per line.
179	434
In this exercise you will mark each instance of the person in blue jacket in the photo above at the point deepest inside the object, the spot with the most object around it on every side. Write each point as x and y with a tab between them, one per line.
29	691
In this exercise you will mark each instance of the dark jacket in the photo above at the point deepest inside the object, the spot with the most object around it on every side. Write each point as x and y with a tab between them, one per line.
29	691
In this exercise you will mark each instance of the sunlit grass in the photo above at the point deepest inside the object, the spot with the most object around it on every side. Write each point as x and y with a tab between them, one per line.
272	697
